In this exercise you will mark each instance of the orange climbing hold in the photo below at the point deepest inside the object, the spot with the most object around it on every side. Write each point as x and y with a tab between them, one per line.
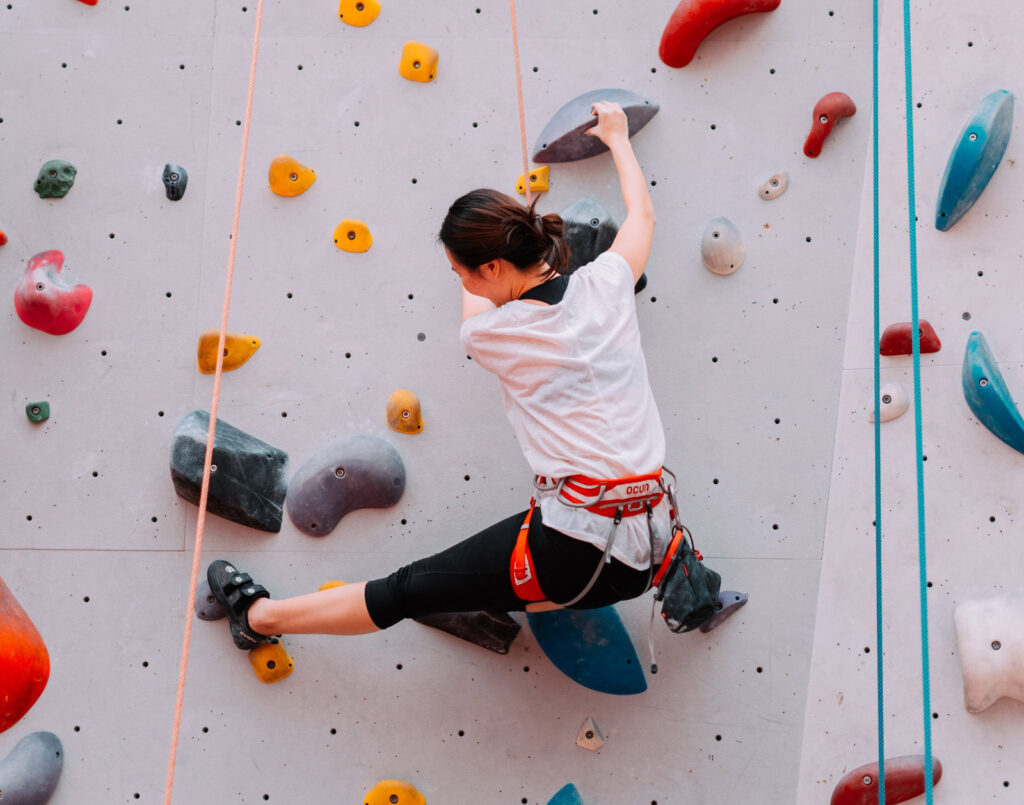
358	12
289	177
270	661
897	339
238	348
330	585
538	180
353	236
24	661
394	792
418	62
404	414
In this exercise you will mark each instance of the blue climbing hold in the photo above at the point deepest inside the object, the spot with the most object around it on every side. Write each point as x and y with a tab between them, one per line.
567	795
591	647
987	394
975	157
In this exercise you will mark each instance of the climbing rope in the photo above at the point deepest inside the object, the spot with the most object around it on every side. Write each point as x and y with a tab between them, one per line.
519	96
208	460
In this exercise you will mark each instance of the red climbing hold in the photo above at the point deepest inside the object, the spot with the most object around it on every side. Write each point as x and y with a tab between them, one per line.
45	301
898	339
693	20
3	238
827	113
24	661
89	2
904	779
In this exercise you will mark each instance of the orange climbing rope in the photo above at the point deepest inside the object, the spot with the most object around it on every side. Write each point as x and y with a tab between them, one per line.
519	96
208	460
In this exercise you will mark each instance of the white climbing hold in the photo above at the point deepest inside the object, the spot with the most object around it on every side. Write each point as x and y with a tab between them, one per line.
894	402
722	248
774	186
990	641
590	736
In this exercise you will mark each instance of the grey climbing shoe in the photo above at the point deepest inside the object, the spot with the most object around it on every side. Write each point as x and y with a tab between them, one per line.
235	591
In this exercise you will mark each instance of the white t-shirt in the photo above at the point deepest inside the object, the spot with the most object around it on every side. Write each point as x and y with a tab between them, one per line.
574	381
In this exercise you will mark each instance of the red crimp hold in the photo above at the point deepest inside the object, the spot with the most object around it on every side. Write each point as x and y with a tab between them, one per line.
693	20
904	780
827	112
46	301
898	339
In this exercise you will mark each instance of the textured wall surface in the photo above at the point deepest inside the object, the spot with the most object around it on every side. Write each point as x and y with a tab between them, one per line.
748	370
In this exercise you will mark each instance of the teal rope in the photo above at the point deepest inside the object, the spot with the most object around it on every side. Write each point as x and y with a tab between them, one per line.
916	340
878	423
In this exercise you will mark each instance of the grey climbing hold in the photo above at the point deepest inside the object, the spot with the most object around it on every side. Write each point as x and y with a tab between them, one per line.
55	179
728	602
489	629
590	230
248	483
563	138
175	181
722	248
590	736
205	605
360	472
30	773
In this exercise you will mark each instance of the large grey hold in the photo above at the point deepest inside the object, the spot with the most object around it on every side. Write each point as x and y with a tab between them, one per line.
249	483
590	230
30	773
563	138
359	472
175	180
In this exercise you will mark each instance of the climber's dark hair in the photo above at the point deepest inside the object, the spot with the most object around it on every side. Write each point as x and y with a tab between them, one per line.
485	225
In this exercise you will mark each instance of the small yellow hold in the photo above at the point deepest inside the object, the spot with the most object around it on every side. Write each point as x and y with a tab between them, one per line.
289	177
419	62
404	413
270	661
358	12
538	180
330	585
238	348
394	792
353	236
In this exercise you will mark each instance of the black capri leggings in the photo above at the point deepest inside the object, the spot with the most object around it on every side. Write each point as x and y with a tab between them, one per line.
474	574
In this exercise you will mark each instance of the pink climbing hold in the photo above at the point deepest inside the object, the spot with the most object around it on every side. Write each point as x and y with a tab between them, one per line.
897	339
827	112
44	300
693	20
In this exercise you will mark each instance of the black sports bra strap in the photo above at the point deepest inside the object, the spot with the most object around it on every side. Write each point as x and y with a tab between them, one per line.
550	292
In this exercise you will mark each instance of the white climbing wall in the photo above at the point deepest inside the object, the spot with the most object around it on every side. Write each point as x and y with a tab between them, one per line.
765	417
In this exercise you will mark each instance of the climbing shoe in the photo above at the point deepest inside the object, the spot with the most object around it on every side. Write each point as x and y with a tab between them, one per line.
235	591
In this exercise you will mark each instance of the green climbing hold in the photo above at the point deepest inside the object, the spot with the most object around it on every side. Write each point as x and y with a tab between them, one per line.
55	179
38	411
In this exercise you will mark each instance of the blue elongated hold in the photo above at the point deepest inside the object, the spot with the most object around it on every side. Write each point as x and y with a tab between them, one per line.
976	155
567	795
564	139
987	394
591	647
30	773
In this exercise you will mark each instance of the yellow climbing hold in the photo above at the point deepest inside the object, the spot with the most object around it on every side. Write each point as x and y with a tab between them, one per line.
419	62
353	236
238	348
270	661
329	585
404	414
394	792
358	12
289	177
538	180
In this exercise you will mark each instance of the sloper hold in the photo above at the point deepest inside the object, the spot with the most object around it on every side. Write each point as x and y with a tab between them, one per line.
990	642
589	230
693	20
987	394
566	795
978	151
898	339
904	779
270	661
489	629
404	413
55	178
722	248
729	601
288	176
175	181
45	300
893	402
353	236
358	13
248	486
591	647
360	472
418	62
205	605
394	792
539	180
827	112
24	661
37	411
238	348
30	773
563	138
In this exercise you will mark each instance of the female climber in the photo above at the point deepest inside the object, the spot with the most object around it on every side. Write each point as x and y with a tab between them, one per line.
566	349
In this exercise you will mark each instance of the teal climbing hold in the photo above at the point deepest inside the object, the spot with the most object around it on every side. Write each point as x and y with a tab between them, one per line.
567	795
987	395
37	411
30	773
975	157
591	647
